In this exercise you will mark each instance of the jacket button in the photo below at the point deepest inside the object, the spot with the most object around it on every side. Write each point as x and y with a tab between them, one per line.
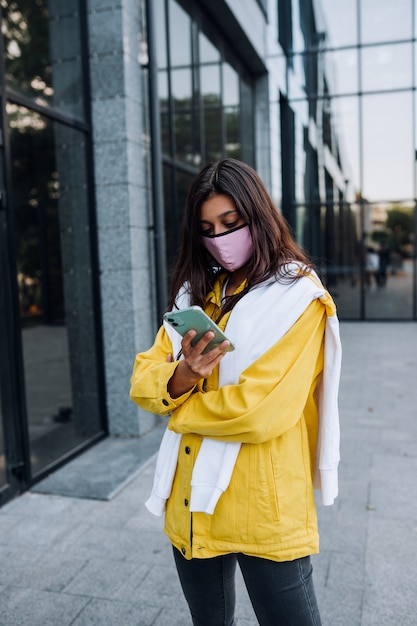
186	502
184	551
165	402
187	450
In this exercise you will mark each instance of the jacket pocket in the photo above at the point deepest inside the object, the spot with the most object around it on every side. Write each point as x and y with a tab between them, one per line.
269	500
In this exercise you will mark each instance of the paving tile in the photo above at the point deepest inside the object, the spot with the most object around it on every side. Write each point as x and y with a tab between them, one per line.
26	607
111	613
49	572
15	560
103	578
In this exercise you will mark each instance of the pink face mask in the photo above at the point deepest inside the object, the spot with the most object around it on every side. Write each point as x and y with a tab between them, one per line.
231	249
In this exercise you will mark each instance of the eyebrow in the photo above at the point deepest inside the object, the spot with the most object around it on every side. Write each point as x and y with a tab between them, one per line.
221	215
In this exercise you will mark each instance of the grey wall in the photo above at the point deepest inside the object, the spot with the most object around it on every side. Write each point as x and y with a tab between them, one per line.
122	189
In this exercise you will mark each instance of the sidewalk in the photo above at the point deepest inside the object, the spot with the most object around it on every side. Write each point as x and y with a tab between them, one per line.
83	562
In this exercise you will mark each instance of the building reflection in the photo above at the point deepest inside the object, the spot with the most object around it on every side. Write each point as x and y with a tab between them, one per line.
351	101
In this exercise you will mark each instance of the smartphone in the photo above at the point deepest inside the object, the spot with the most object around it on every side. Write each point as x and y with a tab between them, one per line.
194	318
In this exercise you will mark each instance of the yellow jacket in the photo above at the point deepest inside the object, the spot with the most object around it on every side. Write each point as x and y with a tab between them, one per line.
268	509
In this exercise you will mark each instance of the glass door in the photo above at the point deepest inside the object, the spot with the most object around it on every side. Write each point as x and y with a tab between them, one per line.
49	204
12	460
51	377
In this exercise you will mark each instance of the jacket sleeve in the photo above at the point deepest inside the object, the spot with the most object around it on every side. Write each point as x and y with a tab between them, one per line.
271	395
151	373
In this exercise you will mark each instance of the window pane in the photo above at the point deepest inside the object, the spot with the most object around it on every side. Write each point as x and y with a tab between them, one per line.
181	88
232	147
180	35
389	232
346	130
50	208
165	135
345	270
163	88
210	84
387	67
163	108
341	22
213	134
230	86
342	71
208	52
43	53
183	137
160	24
388	147
171	220
385	21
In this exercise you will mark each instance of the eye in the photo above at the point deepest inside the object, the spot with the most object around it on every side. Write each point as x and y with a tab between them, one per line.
206	231
232	224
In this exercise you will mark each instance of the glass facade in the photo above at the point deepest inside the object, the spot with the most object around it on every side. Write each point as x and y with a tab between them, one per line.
347	120
43	55
204	96
353	103
47	230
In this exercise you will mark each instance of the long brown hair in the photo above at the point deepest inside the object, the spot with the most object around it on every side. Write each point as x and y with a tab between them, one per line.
273	244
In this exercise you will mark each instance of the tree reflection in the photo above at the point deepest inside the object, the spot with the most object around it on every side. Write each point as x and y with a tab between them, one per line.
397	232
26	42
35	205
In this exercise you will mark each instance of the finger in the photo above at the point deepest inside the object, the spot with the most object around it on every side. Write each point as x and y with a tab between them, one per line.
202	344
214	350
170	358
187	339
199	347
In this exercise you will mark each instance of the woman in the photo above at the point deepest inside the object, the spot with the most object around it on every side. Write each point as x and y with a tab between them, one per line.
236	469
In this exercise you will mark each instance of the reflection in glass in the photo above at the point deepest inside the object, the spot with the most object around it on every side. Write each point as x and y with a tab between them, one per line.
341	22
163	88
183	136
232	145
182	182
208	52
343	273
213	134
387	67
176	185
181	87
50	209
342	71
230	86
210	83
388	146
389	258
171	219
163	108
43	52
180	35
345	122
385	21
165	135
161	45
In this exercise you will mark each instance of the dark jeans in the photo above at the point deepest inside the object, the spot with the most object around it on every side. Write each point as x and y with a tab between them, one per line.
282	594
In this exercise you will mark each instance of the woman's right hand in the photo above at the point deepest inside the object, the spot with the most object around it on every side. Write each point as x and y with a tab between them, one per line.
195	365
